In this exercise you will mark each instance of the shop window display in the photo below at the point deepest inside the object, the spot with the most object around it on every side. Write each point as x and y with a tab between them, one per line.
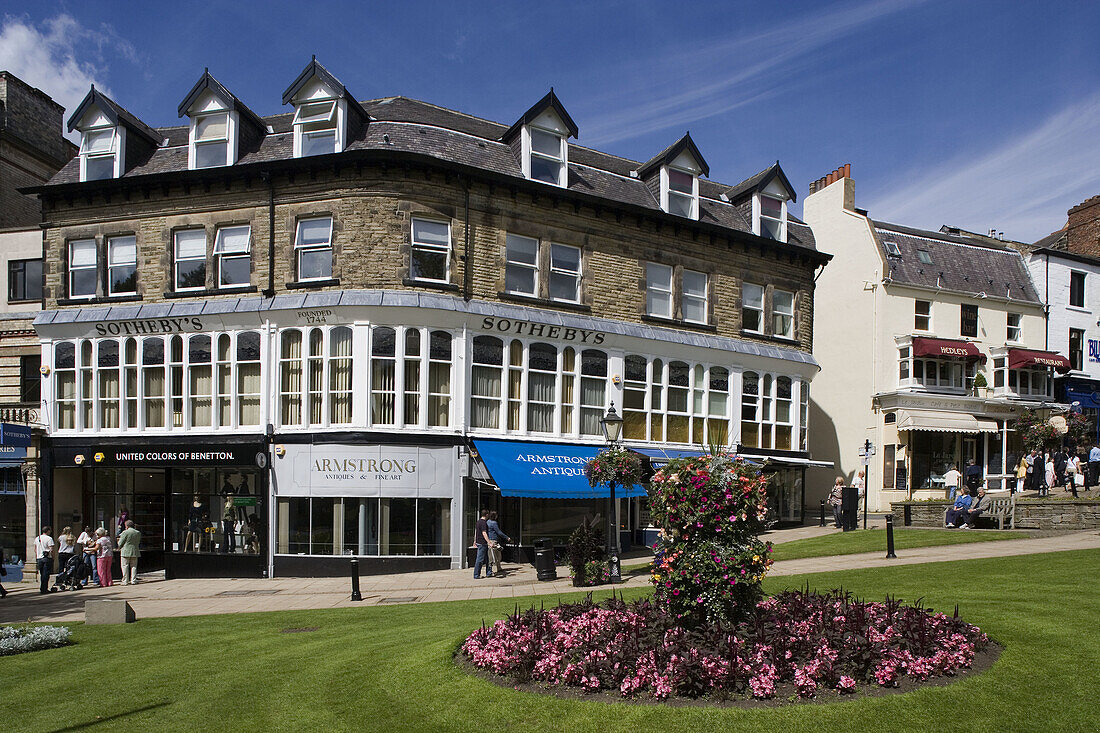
215	511
363	526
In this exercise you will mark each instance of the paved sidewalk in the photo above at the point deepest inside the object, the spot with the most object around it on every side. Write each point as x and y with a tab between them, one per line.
160	598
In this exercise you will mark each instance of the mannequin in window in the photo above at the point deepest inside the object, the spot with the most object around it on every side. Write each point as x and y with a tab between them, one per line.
229	521
195	526
243	490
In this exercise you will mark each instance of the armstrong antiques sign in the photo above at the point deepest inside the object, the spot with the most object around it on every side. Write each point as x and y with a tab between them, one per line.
366	470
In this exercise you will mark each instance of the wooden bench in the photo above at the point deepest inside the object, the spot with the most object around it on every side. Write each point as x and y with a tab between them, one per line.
999	508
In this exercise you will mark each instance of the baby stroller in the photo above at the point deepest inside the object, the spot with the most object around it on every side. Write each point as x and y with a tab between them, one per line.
72	575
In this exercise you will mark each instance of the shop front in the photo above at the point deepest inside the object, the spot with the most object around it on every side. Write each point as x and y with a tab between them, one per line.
200	504
393	507
14	442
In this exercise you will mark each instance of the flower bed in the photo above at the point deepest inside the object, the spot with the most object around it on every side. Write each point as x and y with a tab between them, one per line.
17	641
798	642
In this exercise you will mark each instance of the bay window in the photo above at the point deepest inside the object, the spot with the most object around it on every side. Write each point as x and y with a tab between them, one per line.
675	402
542	366
486	378
383	381
64	363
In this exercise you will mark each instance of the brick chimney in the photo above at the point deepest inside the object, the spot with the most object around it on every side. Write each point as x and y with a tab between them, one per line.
844	171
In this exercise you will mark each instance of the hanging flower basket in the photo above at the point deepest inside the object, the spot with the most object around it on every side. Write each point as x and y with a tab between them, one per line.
619	466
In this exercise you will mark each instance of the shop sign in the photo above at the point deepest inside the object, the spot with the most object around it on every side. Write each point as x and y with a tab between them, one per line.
12	452
516	327
1094	350
170	455
366	470
15	435
186	324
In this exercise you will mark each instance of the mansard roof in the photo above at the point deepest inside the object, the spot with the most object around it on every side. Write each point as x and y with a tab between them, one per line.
959	264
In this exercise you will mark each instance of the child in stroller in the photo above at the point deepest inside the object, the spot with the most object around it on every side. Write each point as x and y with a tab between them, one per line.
72	575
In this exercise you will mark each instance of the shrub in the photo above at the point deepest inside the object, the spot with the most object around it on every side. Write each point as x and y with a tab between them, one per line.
711	509
585	545
31	639
798	641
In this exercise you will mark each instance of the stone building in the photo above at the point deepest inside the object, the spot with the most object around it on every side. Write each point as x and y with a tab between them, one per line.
282	339
32	149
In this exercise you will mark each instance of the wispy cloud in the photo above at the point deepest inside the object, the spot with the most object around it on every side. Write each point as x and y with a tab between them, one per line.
738	71
44	55
1022	186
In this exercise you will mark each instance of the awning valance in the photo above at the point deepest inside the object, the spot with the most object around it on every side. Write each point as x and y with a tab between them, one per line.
944	422
947	349
1022	358
544	470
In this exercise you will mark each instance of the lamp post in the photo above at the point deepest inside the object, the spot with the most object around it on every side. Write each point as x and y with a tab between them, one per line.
612	424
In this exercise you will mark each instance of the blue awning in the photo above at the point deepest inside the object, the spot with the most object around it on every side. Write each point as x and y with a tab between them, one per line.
1089	398
544	470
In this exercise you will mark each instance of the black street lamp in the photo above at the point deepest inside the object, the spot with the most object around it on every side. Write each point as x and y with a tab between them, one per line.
612	424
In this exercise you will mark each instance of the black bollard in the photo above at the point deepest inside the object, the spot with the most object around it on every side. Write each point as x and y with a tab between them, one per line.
822	513
355	594
890	537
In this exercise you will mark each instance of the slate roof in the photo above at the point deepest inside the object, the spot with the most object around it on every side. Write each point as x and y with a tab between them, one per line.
115	112
959	264
207	81
412	299
670	154
405	126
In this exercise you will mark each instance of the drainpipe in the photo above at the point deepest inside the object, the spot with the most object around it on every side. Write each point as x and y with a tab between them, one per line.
267	178
466	261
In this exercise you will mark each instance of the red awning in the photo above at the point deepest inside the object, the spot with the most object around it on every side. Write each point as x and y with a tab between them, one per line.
947	349
1021	358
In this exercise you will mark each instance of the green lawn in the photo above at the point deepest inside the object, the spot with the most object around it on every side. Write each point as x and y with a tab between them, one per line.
874	540
390	669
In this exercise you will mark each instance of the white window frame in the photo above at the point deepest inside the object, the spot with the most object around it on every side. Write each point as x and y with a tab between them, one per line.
306	125
429	248
791	330
115	150
702	300
755	304
1014	331
653	289
83	244
917	315
667	194
221	254
112	264
529	154
300	247
562	271
176	259
758	216
510	263
229	139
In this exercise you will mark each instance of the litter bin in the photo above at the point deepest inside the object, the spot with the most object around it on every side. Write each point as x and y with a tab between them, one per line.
544	559
849	508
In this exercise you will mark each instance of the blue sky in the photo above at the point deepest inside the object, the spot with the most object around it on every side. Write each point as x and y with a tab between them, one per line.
978	114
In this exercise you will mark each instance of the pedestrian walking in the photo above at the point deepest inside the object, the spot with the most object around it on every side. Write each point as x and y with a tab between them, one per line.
951	482
496	548
1060	458
44	550
1022	469
1094	467
104	555
128	550
90	551
1044	490
481	542
1073	468
836	498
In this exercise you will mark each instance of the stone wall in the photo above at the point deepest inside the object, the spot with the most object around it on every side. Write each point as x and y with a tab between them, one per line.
372	208
1030	514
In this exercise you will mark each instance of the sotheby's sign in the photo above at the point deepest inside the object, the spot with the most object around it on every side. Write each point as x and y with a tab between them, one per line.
366	470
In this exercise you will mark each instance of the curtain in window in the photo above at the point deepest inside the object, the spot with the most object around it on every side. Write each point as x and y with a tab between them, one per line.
541	387
316	376
485	404
439	379
108	384
248	378
154	397
383	377
340	376
290	378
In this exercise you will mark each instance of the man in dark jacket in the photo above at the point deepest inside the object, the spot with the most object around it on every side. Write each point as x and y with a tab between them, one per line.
1060	460
979	505
481	541
972	476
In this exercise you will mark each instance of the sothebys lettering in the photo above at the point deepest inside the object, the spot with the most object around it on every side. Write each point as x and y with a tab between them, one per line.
541	330
185	324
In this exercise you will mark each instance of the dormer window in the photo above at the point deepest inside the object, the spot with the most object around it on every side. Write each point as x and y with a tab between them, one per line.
680	191
210	141
547	157
315	128
99	153
770	217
